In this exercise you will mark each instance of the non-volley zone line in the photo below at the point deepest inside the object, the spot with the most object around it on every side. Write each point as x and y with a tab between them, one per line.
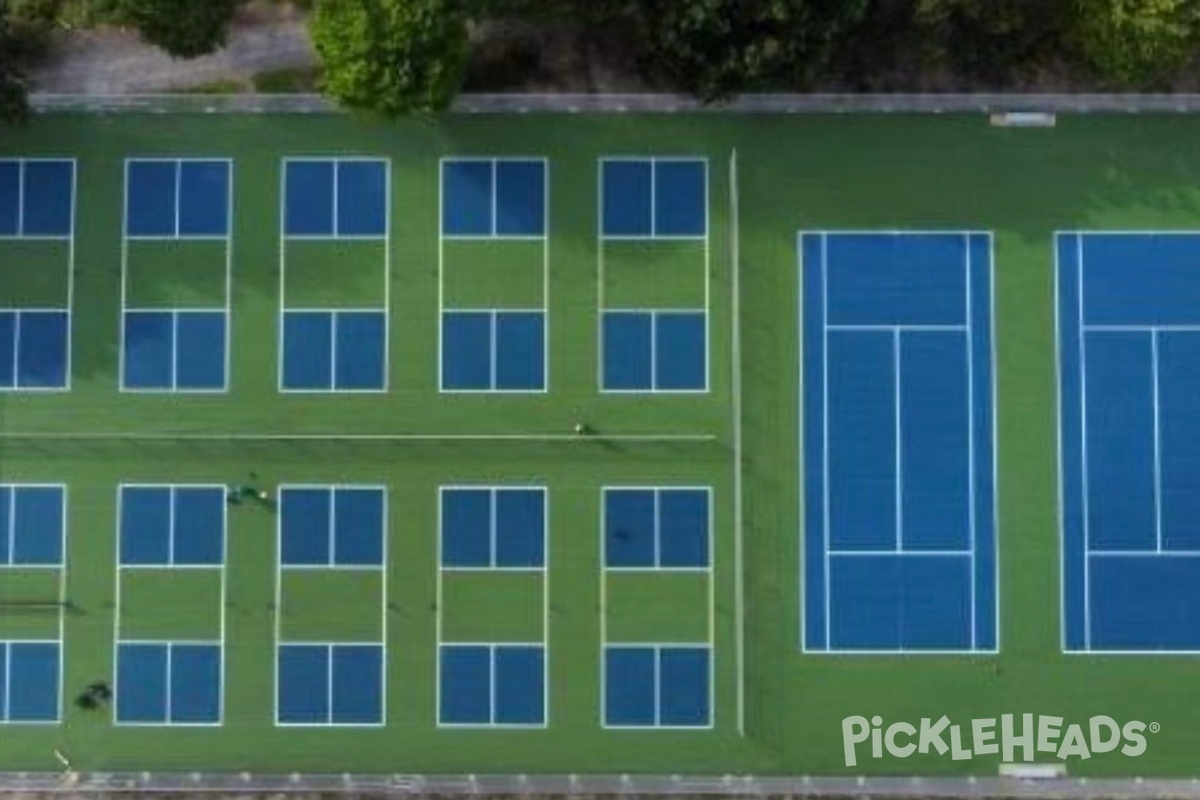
898	442
1129	435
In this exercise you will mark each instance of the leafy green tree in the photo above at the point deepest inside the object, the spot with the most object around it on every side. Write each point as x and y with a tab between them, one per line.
1137	41
14	100
391	56
716	48
992	39
183	28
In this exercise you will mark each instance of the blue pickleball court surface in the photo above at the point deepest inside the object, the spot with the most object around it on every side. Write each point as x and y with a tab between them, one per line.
664	686
655	351
37	197
332	198
170	198
29	681
492	685
899	531
178	350
32	525
330	684
334	351
168	683
332	526
493	527
648	528
493	351
1129	371
494	198
172	526
654	197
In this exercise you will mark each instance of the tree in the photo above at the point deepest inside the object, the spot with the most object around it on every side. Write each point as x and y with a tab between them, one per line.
391	56
716	48
992	39
1137	41
14	100
183	28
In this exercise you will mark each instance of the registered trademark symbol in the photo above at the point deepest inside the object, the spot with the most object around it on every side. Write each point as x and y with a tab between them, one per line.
1155	727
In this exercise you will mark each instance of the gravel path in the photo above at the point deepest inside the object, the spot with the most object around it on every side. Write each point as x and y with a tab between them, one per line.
110	61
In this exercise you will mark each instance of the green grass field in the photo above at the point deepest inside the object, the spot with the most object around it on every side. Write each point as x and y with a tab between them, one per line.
776	710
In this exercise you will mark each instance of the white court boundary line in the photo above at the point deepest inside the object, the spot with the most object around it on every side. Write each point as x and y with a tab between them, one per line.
61	567
493	490
170	566
602	309
335	163
494	237
709	571
69	239
967	236
332	567
226	310
1082	328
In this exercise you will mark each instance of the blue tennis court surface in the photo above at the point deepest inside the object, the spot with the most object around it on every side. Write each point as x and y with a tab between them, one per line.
654	197
499	351
336	197
492	685
325	526
657	528
657	686
29	681
898	442
168	683
1129	368
655	351
493	527
37	197
493	198
32	525
330	684
334	351
175	350
169	198
167	526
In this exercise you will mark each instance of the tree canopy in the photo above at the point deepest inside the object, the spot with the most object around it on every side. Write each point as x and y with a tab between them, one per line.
14	105
391	56
1137	41
183	28
716	48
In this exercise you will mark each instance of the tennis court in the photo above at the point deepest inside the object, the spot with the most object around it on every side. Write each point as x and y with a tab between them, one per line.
900	553
1129	319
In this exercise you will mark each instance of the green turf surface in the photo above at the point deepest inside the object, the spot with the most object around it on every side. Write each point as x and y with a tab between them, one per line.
657	608
29	601
811	172
664	274
493	607
173	274
166	604
488	274
333	274
331	606
34	272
